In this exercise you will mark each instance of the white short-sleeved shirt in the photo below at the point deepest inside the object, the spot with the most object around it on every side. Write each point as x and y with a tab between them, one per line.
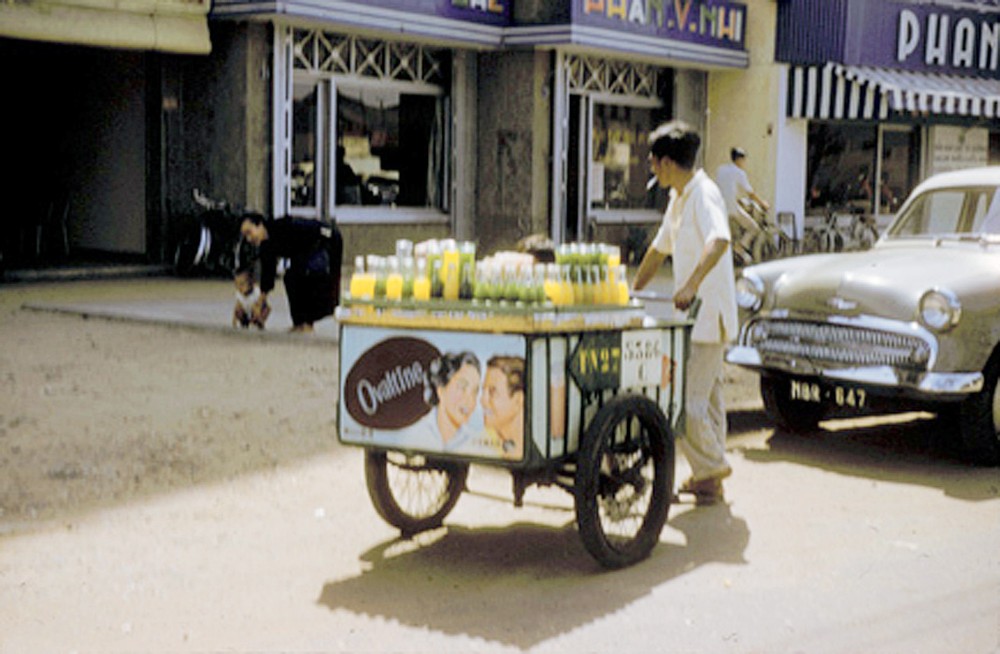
734	184
694	218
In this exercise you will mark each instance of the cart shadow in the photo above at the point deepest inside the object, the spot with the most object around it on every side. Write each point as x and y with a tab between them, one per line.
910	449
522	584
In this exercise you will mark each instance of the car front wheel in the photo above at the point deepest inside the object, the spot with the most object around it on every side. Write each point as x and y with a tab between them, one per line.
789	414
980	419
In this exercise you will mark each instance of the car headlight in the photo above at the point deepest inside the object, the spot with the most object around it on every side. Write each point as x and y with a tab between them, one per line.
939	309
749	292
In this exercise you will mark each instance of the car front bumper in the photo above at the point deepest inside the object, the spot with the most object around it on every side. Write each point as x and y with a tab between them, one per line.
943	385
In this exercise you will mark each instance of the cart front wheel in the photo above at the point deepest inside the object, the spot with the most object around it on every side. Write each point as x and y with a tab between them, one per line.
624	480
413	493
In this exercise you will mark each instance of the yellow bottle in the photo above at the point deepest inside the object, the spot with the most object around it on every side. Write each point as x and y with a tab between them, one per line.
566	285
451	281
614	256
362	282
621	283
393	280
357	277
553	289
449	256
421	282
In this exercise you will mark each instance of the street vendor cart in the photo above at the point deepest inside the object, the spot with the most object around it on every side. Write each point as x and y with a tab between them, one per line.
586	398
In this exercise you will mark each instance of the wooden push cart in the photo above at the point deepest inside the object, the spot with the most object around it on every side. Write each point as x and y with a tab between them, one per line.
588	399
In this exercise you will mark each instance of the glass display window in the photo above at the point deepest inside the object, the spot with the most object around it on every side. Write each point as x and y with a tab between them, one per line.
390	147
306	146
610	109
365	136
619	166
845	160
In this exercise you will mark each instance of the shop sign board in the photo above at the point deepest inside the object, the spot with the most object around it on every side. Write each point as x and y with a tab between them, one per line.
955	148
717	23
491	12
956	38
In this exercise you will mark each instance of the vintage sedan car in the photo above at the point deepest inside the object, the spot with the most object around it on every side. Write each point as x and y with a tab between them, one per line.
911	324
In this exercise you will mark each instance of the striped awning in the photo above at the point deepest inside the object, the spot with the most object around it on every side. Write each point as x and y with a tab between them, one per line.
838	92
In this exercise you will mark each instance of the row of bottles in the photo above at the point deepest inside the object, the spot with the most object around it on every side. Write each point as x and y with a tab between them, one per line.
579	255
448	270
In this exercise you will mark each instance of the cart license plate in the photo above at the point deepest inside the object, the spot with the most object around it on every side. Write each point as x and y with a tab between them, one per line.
805	391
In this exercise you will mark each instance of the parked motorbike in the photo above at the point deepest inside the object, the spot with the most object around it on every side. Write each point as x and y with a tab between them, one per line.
210	243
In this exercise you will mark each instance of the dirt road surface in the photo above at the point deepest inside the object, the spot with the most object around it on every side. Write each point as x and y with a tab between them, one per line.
174	490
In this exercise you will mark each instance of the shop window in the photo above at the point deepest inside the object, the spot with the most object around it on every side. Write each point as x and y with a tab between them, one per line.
367	128
899	167
612	107
390	147
305	145
619	166
846	160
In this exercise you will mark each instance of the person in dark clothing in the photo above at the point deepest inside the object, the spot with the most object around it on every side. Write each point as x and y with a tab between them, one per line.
312	279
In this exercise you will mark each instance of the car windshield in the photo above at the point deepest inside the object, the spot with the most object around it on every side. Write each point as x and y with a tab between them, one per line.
952	212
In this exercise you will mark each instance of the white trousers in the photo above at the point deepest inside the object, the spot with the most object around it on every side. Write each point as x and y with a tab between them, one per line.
704	443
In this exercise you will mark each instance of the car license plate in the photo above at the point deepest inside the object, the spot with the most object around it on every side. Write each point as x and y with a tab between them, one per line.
807	391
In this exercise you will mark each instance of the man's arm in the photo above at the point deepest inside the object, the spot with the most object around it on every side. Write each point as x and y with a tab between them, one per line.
650	263
713	252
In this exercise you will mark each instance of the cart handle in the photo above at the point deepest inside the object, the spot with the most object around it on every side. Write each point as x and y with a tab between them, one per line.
654	296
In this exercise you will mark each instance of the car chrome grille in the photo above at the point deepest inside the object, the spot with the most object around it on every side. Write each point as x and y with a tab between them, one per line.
839	345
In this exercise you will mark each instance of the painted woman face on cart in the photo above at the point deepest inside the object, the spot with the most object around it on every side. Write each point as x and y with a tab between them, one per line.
457	399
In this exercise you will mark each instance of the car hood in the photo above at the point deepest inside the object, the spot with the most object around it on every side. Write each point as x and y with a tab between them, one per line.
886	281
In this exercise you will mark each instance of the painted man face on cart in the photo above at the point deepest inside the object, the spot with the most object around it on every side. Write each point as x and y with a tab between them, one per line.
503	407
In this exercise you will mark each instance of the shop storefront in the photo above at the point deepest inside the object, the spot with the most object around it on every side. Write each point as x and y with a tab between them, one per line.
89	88
619	70
883	93
481	119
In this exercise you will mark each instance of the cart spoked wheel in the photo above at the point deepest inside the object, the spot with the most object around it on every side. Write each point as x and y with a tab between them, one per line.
411	492
624	480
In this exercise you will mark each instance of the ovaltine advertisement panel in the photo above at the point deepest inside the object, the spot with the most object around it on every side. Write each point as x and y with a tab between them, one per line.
431	391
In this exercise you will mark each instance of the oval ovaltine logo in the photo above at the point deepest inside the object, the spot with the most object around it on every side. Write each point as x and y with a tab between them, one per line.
384	389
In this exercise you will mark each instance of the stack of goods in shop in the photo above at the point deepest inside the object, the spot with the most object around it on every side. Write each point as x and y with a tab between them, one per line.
447	270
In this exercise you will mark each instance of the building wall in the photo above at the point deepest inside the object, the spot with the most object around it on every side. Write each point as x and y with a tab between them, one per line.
513	138
106	154
744	105
221	140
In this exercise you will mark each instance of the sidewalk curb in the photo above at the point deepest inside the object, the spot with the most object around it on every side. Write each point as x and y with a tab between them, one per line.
87	313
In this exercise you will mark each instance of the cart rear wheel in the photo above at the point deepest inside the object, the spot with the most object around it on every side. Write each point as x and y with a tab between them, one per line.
624	480
413	493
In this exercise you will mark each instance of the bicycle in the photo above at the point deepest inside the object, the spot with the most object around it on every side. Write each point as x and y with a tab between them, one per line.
842	229
769	241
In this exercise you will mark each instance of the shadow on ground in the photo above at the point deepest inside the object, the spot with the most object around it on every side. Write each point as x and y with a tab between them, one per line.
522	584
917	449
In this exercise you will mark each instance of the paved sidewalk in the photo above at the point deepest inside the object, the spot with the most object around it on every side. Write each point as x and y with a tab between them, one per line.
195	303
188	303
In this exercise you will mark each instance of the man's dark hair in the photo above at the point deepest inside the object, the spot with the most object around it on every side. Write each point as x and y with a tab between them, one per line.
677	141
737	153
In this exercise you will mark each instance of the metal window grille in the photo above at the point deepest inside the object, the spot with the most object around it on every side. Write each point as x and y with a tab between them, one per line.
315	51
612	77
